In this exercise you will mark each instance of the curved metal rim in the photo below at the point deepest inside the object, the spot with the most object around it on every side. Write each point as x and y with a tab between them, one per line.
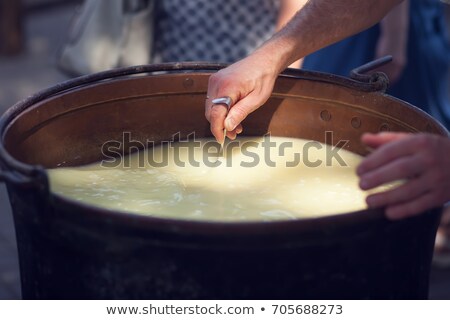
9	162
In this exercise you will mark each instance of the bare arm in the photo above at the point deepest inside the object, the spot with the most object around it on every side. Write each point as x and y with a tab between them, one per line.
323	22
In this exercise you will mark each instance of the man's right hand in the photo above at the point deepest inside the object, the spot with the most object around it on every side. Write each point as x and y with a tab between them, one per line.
249	83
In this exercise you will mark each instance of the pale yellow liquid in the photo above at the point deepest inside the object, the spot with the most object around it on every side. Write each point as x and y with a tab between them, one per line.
229	192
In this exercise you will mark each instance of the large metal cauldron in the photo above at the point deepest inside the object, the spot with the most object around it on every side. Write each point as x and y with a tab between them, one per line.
70	250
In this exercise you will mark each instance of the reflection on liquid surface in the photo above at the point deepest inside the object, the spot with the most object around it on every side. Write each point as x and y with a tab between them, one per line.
250	182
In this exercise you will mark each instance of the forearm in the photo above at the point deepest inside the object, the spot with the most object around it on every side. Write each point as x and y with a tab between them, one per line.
308	31
396	24
397	19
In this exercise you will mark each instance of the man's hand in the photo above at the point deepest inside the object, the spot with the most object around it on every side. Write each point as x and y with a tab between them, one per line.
248	83
421	160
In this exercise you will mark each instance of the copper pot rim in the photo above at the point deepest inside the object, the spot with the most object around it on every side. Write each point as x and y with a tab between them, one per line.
27	175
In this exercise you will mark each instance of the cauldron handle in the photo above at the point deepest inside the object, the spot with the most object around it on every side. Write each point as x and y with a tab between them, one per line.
36	177
378	79
6	176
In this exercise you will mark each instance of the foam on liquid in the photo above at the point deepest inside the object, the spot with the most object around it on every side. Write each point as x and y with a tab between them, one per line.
228	192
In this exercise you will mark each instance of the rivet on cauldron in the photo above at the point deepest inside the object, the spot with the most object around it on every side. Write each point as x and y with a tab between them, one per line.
356	122
385	127
188	82
325	115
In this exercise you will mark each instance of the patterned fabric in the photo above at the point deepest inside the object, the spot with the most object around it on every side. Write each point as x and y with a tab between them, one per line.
212	30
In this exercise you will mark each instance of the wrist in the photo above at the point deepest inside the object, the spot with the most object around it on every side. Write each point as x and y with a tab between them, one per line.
278	53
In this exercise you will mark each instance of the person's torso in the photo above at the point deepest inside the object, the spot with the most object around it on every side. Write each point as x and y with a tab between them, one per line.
212	30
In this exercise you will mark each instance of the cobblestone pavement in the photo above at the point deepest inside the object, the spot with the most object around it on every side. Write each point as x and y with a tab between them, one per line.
34	70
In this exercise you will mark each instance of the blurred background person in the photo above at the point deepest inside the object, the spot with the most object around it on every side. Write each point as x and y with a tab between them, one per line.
415	34
214	30
107	34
